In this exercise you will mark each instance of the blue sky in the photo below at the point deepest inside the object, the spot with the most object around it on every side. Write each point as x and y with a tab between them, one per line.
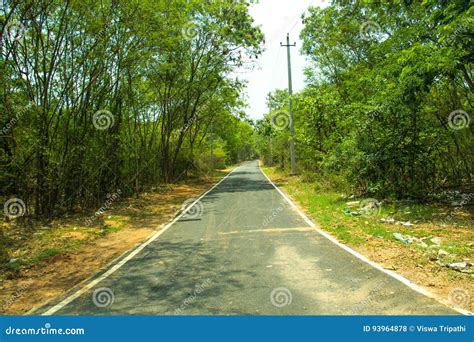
276	17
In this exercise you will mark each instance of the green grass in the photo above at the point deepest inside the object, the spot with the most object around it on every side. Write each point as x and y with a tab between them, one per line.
46	254
51	242
327	208
38	258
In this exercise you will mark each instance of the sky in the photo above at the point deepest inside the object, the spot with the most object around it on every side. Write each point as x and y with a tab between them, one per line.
276	18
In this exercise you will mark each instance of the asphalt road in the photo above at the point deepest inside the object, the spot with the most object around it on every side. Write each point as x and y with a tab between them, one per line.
243	250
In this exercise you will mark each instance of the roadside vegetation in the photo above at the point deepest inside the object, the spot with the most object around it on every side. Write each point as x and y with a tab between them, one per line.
387	107
46	260
99	96
114	112
108	100
383	135
407	237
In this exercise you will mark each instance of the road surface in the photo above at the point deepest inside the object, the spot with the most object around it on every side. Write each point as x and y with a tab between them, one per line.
242	249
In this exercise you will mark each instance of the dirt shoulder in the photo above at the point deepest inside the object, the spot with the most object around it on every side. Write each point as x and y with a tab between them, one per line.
47	261
408	239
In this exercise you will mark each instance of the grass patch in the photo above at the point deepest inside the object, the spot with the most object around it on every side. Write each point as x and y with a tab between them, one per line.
330	209
419	259
46	254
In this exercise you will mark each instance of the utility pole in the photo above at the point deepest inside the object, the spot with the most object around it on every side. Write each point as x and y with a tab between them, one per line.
290	105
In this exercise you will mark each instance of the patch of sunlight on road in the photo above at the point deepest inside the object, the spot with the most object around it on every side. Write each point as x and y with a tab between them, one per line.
303	274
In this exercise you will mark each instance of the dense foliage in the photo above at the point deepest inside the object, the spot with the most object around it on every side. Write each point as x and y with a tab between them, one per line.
388	100
98	96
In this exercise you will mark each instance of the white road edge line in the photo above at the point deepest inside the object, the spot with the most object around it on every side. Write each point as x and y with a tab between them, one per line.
122	262
360	256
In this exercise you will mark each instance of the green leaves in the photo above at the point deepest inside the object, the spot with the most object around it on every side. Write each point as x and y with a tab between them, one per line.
383	80
158	69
